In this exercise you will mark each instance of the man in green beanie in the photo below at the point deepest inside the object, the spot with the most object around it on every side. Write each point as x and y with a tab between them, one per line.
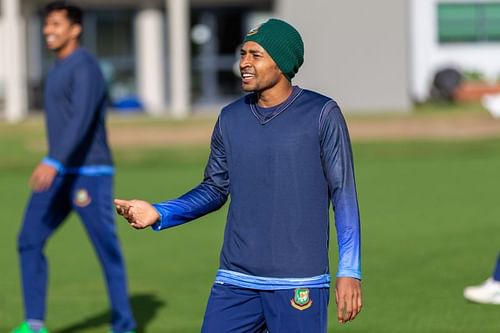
283	154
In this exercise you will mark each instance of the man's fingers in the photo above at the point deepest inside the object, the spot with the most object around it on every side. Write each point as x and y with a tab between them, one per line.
122	207
138	213
359	302
349	299
348	309
340	306
355	307
36	183
352	306
136	225
121	210
40	186
340	310
130	214
123	203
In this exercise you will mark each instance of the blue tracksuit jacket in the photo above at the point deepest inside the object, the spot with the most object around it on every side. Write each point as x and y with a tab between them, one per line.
75	115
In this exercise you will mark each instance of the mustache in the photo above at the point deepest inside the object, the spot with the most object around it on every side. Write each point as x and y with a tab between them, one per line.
247	71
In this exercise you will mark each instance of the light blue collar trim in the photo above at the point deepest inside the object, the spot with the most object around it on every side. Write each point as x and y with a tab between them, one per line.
270	283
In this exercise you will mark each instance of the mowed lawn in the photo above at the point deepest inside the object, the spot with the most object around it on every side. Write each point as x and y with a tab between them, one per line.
431	225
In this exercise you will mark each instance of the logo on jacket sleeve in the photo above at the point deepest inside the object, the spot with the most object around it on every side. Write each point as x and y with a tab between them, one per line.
82	198
301	299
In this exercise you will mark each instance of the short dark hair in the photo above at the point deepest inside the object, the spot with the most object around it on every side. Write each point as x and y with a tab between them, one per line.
73	12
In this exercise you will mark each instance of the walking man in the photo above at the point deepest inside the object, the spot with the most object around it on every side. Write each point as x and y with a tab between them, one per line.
77	173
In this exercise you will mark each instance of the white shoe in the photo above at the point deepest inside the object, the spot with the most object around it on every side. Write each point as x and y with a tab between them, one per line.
486	293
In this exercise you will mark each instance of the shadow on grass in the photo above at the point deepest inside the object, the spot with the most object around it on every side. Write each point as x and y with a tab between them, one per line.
144	306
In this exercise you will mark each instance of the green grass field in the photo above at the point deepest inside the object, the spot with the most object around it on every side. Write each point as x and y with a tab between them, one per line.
430	213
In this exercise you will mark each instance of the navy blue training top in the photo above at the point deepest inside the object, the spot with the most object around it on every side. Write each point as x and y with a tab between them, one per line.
282	168
75	106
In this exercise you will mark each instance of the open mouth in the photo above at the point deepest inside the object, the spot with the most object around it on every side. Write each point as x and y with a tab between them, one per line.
50	39
247	77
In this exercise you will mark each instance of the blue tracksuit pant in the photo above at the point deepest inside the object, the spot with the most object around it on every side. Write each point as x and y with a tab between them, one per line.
91	197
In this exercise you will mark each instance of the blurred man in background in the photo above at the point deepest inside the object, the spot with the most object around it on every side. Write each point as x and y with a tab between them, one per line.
488	292
76	175
281	152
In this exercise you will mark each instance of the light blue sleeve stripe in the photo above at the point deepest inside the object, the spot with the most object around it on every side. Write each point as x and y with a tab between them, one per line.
87	170
201	200
92	170
270	283
53	163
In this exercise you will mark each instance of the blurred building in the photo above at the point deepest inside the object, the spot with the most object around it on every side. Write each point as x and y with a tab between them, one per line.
356	51
464	35
161	55
170	56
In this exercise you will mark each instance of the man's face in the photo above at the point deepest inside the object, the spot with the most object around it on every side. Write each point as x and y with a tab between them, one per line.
258	70
59	31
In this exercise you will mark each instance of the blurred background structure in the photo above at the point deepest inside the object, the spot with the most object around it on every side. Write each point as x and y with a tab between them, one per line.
169	57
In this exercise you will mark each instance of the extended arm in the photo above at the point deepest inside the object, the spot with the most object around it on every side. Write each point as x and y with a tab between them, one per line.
338	166
207	197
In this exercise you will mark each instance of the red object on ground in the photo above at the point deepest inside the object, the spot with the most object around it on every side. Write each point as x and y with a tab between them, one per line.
470	92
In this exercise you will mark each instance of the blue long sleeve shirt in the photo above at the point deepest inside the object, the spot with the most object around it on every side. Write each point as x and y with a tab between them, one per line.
75	106
282	169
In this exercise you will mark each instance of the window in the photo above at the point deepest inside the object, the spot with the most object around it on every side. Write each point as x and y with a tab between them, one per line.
468	22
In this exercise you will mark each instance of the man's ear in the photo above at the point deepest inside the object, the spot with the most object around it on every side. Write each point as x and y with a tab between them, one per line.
76	30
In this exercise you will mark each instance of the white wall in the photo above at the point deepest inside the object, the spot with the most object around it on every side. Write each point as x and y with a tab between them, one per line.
356	51
428	56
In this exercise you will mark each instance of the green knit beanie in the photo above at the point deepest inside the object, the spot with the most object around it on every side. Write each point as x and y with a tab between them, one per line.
282	42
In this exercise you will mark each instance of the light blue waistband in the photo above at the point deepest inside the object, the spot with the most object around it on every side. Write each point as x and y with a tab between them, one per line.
87	170
270	283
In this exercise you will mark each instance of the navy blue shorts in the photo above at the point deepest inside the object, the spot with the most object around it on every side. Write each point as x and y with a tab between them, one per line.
235	309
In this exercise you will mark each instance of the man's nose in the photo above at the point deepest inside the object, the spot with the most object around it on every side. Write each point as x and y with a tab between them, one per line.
244	61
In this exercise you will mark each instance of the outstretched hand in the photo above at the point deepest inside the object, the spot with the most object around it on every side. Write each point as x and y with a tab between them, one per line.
348	298
139	214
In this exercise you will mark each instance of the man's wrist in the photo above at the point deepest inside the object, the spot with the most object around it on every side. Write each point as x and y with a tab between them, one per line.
53	163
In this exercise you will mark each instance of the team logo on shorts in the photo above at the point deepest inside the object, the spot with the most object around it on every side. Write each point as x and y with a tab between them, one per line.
82	198
301	299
